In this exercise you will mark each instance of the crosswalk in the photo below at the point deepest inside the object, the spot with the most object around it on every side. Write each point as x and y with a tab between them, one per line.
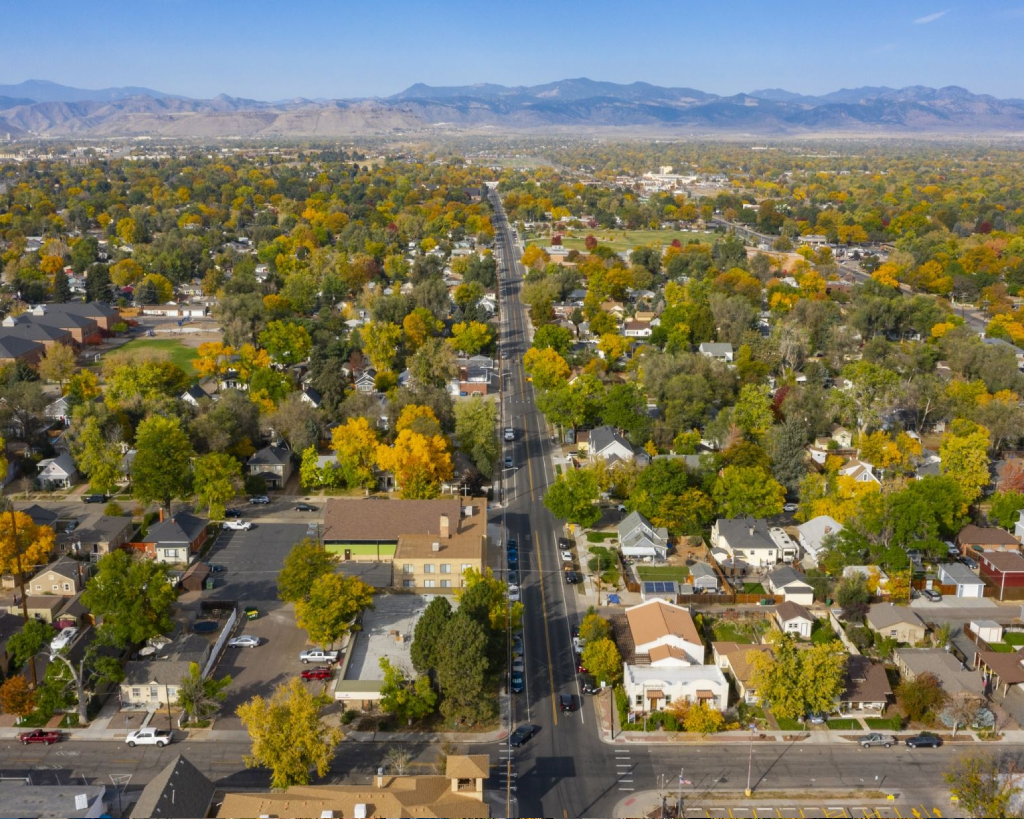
624	769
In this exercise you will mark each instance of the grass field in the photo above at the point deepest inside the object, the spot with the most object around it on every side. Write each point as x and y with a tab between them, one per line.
883	723
679	573
727	632
790	724
1014	638
178	353
619	240
753	588
1002	648
843	725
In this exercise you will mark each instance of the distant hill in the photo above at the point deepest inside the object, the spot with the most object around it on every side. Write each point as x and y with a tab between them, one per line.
42	108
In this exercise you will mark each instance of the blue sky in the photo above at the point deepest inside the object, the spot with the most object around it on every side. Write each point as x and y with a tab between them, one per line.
335	48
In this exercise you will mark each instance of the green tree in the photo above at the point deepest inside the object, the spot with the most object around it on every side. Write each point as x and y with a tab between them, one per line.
471	337
28	642
61	288
306	562
983	785
602	659
162	469
1004	508
409	700
752	412
556	337
799	681
462	668
476	432
428	635
484	598
98	455
785	444
287	342
200	697
571	497
131	596
217	479
332	606
741	490
288	734
921	696
625	407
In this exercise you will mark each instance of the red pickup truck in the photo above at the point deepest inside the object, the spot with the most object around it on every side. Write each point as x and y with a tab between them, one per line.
39	735
320	673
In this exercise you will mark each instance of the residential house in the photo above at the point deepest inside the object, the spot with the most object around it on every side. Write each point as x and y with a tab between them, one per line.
193	395
429	543
653	688
876	579
152	682
786	581
866	686
57	473
703	577
639	538
459	794
967	583
898	622
312	397
43	607
811	535
58	410
64	578
973	539
735	658
366	381
664	632
953	675
175	540
792	618
272	463
1004	571
96	535
40	515
720	351
664	589
843	437
860	471
179	791
637	329
605	444
750	540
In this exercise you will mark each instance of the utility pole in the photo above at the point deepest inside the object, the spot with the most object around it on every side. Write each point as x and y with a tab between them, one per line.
21	581
750	762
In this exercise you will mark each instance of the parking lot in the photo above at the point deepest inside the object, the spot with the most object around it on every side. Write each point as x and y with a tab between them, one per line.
252	560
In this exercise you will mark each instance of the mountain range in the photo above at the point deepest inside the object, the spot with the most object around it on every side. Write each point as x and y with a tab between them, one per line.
45	109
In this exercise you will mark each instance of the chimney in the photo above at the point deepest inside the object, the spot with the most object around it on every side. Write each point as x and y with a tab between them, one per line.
380	778
444	527
161	514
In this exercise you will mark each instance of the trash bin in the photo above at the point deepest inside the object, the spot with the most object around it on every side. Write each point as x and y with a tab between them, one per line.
251	612
208	583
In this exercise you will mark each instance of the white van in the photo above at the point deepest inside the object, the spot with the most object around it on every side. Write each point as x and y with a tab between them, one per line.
63	640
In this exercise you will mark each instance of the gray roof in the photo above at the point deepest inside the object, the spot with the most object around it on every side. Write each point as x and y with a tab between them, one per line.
604	436
703	570
950	671
100	528
182	528
786	576
41	516
64	566
35	332
271	455
814	530
12	346
92	309
197	392
960	574
170	665
19	798
631	531
63	462
746	533
179	791
715	347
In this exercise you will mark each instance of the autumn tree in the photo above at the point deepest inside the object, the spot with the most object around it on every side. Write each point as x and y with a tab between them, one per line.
380	343
17	697
217	479
471	337
702	719
58	364
162	469
355	447
289	736
330	609
287	342
964	454
305	563
752	412
799	681
983	785
200	696
920	696
547	368
602	659
594	627
32	548
420	463
572	497
407	699
740	491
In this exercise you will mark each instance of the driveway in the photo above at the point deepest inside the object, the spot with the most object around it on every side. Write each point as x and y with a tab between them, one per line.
252	560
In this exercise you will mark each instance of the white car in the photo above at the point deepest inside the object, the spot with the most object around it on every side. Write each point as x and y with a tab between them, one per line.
149	736
513	594
243	525
790	507
518	665
244	641
566	556
63	640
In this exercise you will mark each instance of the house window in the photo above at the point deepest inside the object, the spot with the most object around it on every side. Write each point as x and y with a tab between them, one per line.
892	632
446	568
668	699
67	587
467	566
56	587
171	553
136	693
640	699
39	587
153	692
428	568
408	584
407	568
429	583
446	584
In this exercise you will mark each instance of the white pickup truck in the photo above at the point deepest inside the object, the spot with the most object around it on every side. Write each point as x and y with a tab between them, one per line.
148	736
318	655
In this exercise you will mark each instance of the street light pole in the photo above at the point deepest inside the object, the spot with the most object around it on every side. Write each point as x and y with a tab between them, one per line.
750	764
21	580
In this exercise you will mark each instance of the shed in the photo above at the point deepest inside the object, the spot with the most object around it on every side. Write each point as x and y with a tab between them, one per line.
988	630
967	583
195	576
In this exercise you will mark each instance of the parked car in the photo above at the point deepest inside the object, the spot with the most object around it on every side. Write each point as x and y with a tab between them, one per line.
259	500
580	668
517	684
513	558
564	543
517	645
513	594
149	736
588	685
305	507
969	562
65	638
931	594
923	741
216	567
512	544
238	525
321	672
566	557
519	665
578	643
571	577
521	735
789	507
816	719
870	740
318	655
94	499
232	513
244	641
566	703
576	630
39	737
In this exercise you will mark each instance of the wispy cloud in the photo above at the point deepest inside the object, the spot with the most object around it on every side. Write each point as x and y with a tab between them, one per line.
930	18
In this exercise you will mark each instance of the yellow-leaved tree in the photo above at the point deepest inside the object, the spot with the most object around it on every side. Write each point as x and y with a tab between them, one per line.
419	463
355	447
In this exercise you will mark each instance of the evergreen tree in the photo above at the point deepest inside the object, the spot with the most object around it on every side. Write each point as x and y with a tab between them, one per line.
97	283
61	288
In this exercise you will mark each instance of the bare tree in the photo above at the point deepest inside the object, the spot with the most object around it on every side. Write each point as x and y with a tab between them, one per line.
398	760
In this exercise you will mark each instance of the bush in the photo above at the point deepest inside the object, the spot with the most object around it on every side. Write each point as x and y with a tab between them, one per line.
860	636
255	485
113	509
347	716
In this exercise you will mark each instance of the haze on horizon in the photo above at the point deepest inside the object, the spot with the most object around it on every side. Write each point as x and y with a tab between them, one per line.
333	50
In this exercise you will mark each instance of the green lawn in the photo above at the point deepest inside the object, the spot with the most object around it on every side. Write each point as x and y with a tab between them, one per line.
790	724
1002	648
609	564
679	573
177	352
883	723
601	537
726	632
619	240
1014	638
843	725
753	588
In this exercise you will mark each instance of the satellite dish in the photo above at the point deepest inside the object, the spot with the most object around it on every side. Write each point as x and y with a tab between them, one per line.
147	651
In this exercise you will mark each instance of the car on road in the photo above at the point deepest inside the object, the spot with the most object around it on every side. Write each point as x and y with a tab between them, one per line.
94	499
244	641
789	507
39	737
931	594
148	736
513	544
63	640
571	577
513	594
238	525
566	557
588	685
923	741
305	507
233	513
517	684
521	735
510	434
580	668
566	703
216	567
318	655
513	558
259	500
508	462
321	672
871	740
